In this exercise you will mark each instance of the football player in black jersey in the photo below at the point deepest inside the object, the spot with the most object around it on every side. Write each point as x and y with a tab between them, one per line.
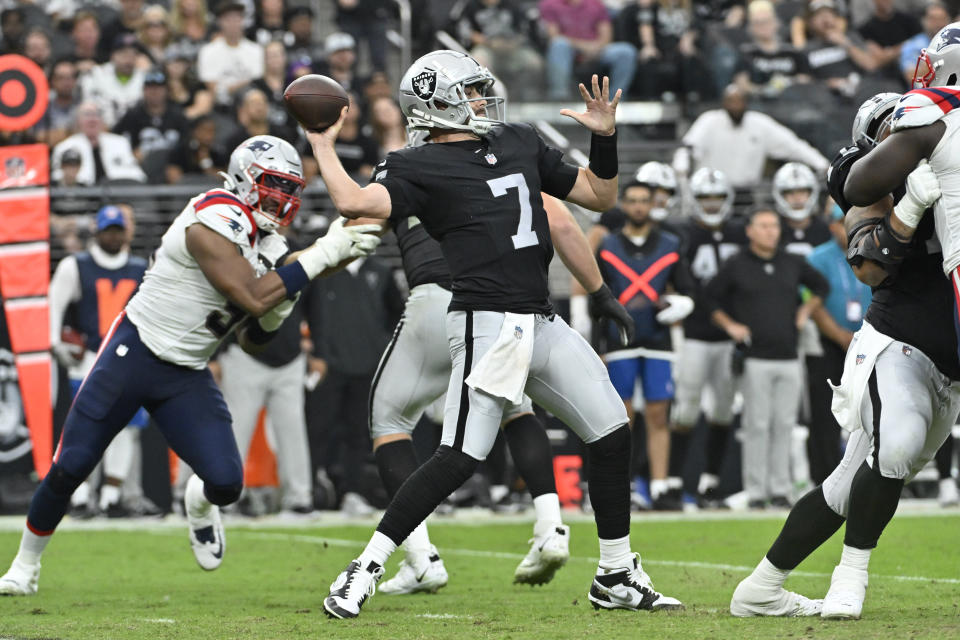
476	189
709	239
796	193
899	397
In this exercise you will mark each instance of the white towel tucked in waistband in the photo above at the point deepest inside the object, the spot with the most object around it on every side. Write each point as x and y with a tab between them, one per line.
861	357
502	370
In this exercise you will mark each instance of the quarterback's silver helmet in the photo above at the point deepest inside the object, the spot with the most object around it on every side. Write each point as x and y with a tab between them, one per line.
712	196
658	175
939	64
433	94
267	174
873	119
795	176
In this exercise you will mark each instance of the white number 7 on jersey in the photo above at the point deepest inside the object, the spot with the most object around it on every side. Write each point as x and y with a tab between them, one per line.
525	236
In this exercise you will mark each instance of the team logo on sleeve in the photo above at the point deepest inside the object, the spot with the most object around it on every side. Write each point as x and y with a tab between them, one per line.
425	84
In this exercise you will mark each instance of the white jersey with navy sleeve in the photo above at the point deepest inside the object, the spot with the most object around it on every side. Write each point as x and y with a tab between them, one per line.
179	315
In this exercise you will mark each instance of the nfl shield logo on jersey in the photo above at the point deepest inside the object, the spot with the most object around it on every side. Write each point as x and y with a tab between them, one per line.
906	350
860	358
490	158
518	332
425	84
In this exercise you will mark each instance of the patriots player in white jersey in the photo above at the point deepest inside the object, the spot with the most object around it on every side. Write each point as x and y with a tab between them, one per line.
220	267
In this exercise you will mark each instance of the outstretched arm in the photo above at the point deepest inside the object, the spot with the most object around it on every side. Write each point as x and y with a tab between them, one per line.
596	187
352	200
886	167
571	245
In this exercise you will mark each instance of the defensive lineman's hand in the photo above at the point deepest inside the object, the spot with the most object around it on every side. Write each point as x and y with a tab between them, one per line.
600	115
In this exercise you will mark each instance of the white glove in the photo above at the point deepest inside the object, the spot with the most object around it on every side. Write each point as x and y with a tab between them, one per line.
679	308
923	189
341	243
580	316
271	320
67	353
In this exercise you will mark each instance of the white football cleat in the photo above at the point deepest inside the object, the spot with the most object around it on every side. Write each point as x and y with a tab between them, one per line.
844	600
628	588
20	580
421	571
351	589
547	554
948	495
206	529
751	599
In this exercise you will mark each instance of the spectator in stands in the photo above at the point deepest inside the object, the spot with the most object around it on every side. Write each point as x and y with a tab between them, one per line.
837	320
837	57
127	22
386	121
300	43
12	30
885	32
350	315
494	32
755	136
666	33
767	66
936	16
366	21
580	31
273	83
253	116
190	22
153	126
103	155
358	152
268	23
116	85
340	51
197	153
229	63
155	34
70	163
193	98
754	299
377	86
61	109
85	37
36	46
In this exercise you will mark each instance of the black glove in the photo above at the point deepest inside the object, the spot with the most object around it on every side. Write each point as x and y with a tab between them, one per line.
602	304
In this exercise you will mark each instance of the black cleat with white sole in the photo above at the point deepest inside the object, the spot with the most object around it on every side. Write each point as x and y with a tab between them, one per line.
628	588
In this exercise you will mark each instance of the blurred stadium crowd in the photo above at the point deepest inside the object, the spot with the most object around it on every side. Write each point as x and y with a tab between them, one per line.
161	93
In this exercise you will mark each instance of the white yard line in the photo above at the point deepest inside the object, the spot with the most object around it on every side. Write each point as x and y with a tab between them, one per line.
475	553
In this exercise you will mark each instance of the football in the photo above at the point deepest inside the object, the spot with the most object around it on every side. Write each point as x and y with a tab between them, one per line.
315	101
870	272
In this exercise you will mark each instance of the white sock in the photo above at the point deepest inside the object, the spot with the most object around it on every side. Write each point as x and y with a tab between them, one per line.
109	495
707	481
658	488
378	550
547	508
615	554
81	495
498	492
32	546
675	482
855	558
197	504
769	575
418	541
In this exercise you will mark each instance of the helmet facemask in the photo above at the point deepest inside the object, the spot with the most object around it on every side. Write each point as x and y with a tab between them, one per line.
923	81
277	197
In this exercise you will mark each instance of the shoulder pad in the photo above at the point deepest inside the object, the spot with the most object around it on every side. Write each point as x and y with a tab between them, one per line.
272	247
226	214
920	107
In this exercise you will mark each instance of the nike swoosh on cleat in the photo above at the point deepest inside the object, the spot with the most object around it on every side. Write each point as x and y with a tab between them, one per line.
219	552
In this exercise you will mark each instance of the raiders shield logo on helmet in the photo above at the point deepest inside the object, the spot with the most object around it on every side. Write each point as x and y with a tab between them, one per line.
425	84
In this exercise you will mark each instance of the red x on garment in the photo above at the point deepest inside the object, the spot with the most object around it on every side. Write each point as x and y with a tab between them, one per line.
639	283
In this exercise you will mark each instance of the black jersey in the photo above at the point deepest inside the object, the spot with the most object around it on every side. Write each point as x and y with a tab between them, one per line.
423	261
802	241
705	250
481	200
916	307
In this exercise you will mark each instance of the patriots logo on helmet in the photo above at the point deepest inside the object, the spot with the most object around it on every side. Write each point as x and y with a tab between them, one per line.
258	146
946	38
425	84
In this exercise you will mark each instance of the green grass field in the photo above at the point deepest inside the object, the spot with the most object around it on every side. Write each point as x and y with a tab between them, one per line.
145	584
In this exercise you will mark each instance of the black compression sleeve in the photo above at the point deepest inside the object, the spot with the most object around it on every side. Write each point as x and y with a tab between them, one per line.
603	156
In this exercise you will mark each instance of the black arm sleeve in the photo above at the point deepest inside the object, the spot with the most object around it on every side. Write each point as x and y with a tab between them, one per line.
556	176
